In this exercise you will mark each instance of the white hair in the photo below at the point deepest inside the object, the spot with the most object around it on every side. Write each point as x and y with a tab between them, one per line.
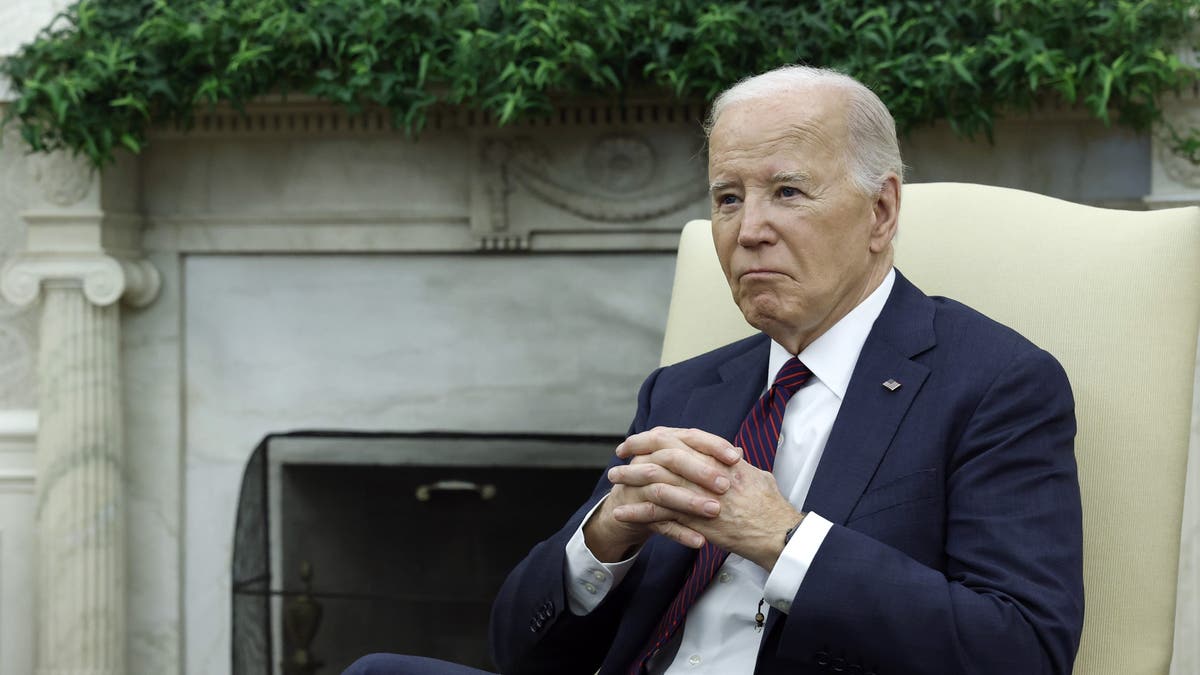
874	151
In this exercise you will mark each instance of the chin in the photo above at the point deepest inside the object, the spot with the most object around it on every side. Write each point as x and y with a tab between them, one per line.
760	316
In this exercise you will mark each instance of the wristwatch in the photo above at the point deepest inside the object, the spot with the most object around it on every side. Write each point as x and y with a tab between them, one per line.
792	530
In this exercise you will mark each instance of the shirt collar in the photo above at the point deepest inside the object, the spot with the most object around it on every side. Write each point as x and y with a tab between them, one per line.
833	355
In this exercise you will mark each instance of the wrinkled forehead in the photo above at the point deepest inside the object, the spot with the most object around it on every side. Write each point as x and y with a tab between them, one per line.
811	120
814	99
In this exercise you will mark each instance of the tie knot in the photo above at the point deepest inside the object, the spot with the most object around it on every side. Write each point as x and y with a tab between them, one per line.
791	377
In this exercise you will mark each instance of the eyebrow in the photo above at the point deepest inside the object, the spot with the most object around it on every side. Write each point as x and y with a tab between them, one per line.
792	177
781	177
719	185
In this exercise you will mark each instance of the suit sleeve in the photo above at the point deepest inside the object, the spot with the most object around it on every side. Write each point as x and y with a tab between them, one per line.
532	628
1008	595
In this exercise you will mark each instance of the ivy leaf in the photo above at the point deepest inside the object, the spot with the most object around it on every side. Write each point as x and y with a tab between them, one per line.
128	101
132	143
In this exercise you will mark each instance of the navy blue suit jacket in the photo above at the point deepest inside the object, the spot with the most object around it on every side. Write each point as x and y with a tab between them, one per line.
957	537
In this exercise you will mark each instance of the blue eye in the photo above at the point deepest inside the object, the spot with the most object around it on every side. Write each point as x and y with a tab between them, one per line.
726	200
788	191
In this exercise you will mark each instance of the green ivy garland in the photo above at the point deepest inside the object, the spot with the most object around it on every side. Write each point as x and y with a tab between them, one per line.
105	71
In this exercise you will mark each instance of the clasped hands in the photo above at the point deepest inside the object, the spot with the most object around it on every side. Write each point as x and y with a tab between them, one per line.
690	486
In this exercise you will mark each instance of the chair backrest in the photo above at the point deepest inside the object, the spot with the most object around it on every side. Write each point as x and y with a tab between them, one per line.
1115	296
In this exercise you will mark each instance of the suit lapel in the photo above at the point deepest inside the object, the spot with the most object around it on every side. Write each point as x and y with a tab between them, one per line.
720	408
871	412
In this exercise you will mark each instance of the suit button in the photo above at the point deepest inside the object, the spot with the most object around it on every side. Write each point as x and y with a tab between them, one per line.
822	659
855	668
533	626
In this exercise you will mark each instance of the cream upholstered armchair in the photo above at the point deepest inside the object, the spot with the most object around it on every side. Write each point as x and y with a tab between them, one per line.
1115	295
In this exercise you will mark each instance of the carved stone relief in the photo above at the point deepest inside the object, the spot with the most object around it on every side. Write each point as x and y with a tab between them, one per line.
64	180
613	180
619	162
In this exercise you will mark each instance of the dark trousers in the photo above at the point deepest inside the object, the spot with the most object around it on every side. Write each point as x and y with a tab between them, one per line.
398	664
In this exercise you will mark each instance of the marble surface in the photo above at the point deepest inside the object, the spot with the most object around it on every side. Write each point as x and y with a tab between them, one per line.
296	177
152	371
18	429
80	489
469	343
18	325
1066	156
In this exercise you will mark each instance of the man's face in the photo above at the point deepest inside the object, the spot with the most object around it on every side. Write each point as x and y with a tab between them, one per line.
799	244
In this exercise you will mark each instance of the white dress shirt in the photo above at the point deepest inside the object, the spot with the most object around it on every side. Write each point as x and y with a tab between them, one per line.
719	635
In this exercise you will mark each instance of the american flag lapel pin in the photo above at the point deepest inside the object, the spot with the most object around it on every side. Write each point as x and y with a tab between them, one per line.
891	385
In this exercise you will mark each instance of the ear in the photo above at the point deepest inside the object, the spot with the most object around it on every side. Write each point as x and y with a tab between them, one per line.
886	212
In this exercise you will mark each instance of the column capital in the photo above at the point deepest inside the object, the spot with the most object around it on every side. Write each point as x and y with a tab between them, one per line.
104	279
83	229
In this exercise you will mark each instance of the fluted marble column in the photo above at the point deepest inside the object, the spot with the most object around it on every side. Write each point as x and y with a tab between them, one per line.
81	261
80	513
80	510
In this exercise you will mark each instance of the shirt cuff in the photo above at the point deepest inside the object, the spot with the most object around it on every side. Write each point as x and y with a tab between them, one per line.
588	579
785	579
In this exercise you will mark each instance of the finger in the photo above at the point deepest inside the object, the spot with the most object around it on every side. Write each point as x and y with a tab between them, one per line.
657	468
680	533
643	473
669	437
692	467
643	513
645	505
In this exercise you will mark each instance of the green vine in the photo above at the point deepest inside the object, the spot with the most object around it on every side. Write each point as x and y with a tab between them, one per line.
105	71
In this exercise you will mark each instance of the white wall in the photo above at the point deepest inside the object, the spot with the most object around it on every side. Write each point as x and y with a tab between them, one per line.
20	21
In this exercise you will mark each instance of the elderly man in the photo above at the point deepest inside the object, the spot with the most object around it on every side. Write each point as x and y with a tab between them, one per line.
879	482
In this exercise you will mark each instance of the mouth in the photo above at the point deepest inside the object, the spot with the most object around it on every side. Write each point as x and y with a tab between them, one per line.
759	273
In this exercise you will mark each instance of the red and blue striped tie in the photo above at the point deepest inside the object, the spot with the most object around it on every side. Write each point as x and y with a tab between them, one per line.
758	437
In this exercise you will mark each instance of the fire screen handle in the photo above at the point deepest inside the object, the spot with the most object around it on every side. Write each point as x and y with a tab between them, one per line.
425	492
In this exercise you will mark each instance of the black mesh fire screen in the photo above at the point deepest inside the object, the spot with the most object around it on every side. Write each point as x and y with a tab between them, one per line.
351	543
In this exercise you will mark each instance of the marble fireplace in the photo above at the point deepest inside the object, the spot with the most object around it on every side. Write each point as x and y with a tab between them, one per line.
334	274
305	268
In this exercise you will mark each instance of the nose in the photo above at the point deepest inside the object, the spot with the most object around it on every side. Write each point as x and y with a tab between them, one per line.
757	224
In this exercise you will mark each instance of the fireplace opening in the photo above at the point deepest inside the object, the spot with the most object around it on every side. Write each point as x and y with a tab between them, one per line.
348	544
